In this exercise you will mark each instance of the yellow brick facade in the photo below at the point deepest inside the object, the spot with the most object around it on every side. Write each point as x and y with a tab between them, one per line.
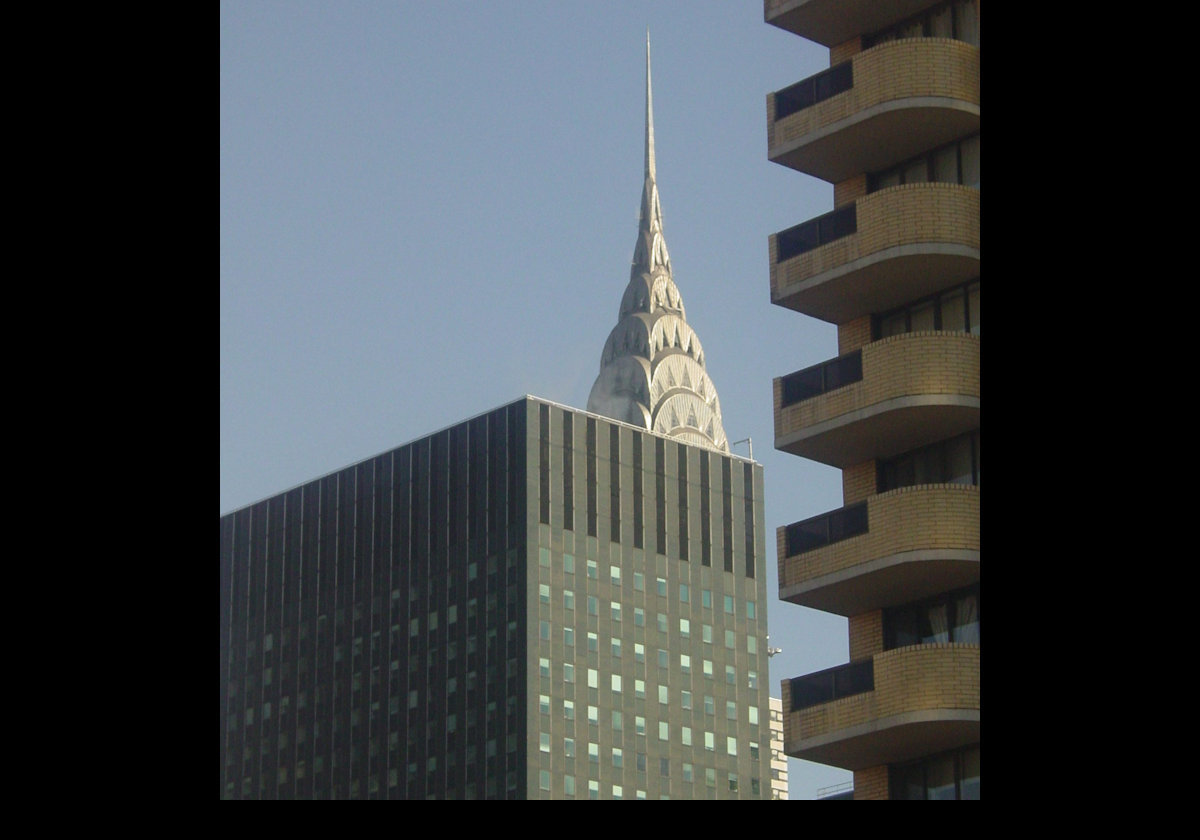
908	68
912	364
910	242
854	334
850	189
908	679
908	215
871	784
922	517
858	482
866	635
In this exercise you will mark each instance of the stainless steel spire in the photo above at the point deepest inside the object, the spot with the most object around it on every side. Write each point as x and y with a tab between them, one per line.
652	370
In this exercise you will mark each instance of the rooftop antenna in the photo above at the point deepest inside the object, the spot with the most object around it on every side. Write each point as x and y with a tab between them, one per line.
745	440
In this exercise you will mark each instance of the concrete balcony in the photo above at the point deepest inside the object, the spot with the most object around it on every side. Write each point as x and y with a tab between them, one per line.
907	545
914	389
918	700
886	249
905	97
831	22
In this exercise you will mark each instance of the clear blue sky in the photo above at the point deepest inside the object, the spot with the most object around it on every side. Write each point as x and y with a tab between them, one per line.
428	209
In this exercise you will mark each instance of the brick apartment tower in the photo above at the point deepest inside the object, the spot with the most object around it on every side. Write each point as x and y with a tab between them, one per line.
893	124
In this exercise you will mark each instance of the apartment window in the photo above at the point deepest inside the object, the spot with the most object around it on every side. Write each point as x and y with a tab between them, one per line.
569	709
593	605
568	673
816	232
544	703
750	610
593	713
664	695
685	628
569	636
707	668
953	461
616	683
569	747
709	707
639	652
616	611
952	310
814	89
706	598
685	735
616	647
948	618
663	659
593	785
593	678
952	775
593	643
594	753
730	639
592	570
664	731
958	20
639	689
639	582
543	667
614	575
543	594
706	633
618	757
661	586
661	622
639	725
683	592
568	599
955	163
685	663
639	617
569	785
686	700
709	742
544	742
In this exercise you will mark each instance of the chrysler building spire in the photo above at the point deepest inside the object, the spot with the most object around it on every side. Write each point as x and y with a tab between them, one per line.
652	369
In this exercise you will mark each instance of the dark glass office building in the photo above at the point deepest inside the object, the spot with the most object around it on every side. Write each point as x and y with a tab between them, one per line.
537	603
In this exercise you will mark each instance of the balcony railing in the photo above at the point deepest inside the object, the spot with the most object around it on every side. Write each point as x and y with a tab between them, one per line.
833	684
816	232
814	89
827	528
821	378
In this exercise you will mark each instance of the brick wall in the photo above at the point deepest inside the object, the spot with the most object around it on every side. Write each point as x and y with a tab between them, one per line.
858	482
911	364
904	215
925	516
871	783
907	679
911	67
866	635
846	191
854	334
